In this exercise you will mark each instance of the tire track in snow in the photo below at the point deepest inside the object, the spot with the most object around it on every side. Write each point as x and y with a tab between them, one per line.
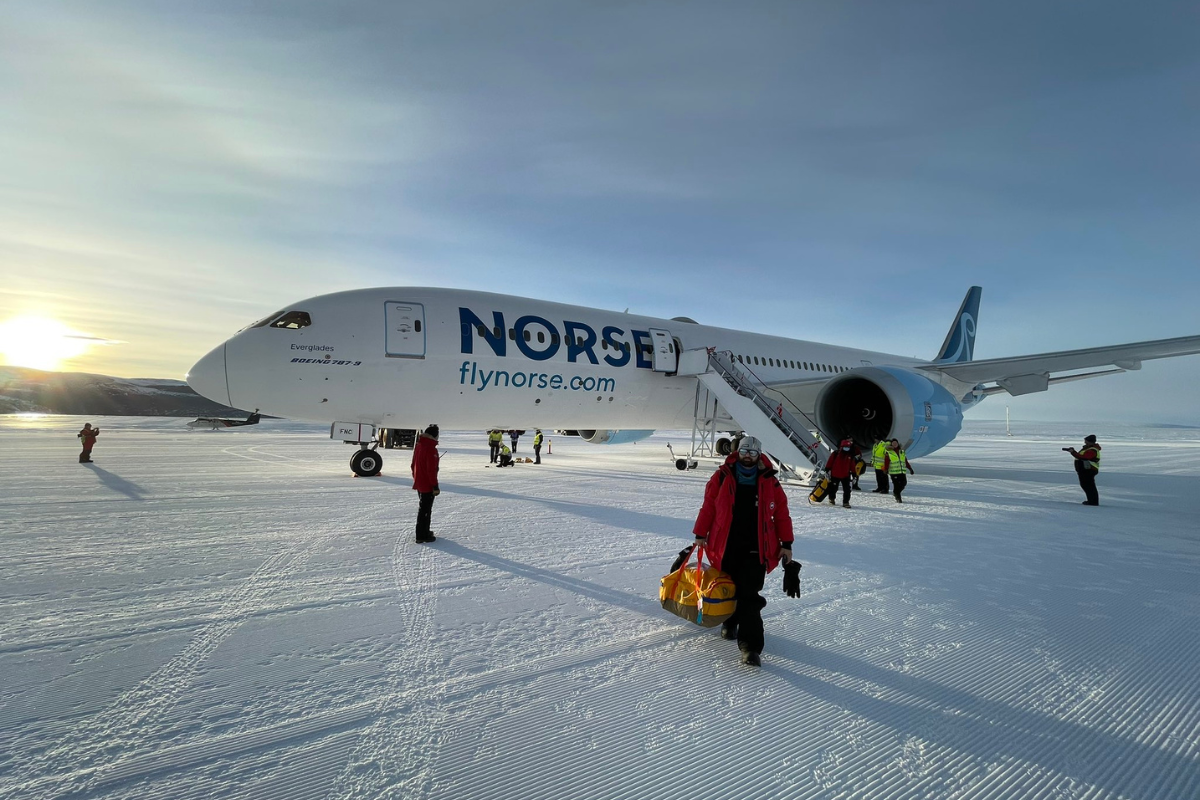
396	759
75	763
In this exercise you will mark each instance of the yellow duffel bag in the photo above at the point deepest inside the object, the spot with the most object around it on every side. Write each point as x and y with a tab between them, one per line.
698	593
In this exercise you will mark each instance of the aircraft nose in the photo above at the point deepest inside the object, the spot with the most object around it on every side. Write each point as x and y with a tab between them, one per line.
208	377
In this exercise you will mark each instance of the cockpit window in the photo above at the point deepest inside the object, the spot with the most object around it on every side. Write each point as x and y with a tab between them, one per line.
293	320
262	322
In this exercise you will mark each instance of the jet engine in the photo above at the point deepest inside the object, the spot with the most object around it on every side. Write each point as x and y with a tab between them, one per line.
613	437
872	403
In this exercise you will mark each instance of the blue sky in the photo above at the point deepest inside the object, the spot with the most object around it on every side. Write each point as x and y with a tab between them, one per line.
832	171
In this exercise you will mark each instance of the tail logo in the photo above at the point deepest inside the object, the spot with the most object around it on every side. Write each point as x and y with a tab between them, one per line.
965	336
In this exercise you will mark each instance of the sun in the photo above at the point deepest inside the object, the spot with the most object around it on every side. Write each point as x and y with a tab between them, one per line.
40	342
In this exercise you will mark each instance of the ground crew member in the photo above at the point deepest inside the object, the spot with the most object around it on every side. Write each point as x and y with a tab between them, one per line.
537	446
895	462
513	436
494	439
424	468
505	456
746	531
840	467
878	459
88	437
1087	464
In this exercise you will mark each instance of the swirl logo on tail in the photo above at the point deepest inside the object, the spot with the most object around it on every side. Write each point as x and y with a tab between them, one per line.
963	340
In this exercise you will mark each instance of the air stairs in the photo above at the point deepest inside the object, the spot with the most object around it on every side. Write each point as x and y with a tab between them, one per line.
727	390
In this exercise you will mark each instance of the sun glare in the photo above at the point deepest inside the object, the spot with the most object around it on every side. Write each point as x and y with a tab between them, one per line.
40	343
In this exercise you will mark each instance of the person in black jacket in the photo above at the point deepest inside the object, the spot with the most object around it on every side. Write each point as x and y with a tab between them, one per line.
1087	464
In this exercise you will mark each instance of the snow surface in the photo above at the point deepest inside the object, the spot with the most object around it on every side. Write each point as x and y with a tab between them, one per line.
232	614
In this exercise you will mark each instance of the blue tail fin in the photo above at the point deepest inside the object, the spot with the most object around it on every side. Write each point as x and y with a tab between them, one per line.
960	341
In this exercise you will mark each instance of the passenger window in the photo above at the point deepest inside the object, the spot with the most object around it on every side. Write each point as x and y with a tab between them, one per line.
482	330
528	335
604	345
541	337
512	334
553	338
499	334
293	320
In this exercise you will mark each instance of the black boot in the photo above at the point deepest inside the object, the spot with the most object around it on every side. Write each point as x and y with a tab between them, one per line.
729	631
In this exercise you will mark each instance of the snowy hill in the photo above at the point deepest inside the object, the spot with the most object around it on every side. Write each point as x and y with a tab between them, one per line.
30	390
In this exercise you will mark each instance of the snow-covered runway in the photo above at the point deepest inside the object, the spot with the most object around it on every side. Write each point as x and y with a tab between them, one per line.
232	614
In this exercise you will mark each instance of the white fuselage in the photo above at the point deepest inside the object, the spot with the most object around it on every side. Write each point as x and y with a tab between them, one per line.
407	357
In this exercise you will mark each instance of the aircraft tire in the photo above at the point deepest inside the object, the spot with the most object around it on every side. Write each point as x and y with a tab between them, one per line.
724	446
366	463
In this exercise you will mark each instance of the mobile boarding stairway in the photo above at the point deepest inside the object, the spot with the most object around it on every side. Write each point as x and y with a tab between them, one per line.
728	390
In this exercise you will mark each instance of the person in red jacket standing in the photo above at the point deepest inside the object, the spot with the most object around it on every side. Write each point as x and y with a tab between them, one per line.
425	480
88	437
840	467
746	531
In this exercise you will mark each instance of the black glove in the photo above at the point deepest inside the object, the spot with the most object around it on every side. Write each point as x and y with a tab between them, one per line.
791	578
683	556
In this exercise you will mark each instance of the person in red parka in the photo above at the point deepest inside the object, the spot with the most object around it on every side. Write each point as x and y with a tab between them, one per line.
746	531
840	467
88	437
425	480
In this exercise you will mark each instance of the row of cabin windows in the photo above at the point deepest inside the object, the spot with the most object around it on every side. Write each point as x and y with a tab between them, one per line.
554	338
790	364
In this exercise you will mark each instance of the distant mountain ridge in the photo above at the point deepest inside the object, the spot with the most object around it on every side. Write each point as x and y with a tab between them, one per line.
24	390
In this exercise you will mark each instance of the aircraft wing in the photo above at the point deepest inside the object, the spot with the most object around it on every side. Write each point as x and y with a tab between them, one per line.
1025	374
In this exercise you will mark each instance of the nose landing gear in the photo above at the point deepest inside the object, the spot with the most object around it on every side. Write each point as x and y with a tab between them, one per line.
366	463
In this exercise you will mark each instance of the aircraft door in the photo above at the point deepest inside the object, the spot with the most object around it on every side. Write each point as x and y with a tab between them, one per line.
665	358
405	329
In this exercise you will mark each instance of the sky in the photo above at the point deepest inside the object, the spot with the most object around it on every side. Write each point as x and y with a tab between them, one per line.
837	172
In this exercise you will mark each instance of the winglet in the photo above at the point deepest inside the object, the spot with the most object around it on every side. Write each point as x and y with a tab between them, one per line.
960	340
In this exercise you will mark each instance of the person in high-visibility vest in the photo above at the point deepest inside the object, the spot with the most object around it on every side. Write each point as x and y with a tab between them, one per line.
495	437
1087	464
878	457
537	446
895	461
505	456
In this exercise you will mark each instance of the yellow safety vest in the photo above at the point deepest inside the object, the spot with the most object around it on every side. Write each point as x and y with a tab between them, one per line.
495	437
537	440
898	463
877	454
1094	466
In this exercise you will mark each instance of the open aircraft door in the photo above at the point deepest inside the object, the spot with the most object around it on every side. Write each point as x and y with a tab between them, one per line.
405	329
665	358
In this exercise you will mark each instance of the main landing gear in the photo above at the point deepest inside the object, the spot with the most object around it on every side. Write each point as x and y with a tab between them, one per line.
366	463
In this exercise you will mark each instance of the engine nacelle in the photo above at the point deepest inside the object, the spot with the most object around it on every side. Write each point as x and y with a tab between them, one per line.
872	403
614	437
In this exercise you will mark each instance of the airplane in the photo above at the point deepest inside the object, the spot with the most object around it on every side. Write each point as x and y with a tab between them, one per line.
215	423
399	358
